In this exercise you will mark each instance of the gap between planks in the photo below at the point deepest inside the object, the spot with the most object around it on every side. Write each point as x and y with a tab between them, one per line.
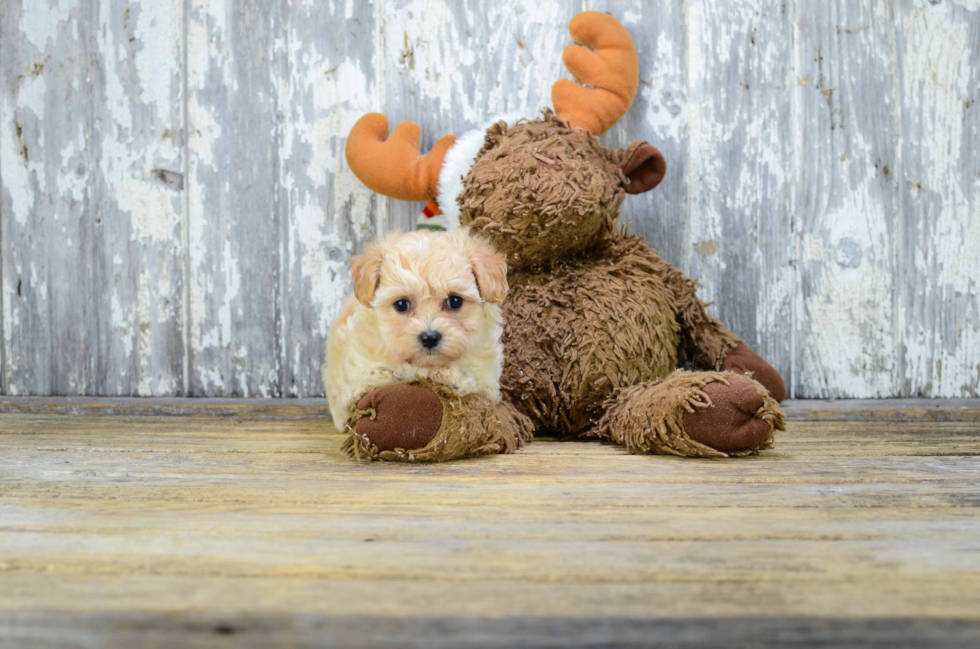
881	410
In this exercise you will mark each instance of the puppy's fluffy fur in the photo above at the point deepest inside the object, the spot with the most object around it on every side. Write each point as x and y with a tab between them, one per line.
373	343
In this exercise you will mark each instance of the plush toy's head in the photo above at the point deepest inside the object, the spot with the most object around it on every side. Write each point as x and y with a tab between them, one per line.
538	189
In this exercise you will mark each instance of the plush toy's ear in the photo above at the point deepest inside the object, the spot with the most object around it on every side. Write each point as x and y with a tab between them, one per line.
489	267
366	270
644	167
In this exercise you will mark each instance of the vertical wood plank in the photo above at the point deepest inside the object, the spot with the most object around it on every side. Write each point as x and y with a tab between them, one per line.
847	199
739	168
866	136
451	66
938	269
739	171
659	115
91	162
234	218
333	76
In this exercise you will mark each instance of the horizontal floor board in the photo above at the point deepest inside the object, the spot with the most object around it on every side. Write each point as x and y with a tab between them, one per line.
39	629
796	409
255	523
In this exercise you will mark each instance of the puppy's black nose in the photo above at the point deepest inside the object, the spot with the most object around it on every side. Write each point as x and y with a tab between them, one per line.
430	339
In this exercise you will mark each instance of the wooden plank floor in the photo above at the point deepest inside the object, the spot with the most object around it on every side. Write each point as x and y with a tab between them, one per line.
242	524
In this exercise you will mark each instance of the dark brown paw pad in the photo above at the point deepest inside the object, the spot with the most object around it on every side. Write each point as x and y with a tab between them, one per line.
405	417
729	424
743	360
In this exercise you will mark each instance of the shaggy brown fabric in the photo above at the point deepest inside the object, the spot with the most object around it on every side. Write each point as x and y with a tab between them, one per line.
470	426
650	418
592	312
743	360
580	328
705	340
399	416
595	322
541	190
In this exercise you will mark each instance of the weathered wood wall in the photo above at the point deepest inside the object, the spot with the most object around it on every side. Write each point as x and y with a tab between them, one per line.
177	214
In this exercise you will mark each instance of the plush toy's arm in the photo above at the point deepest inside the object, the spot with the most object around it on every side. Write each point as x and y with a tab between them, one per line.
704	340
708	345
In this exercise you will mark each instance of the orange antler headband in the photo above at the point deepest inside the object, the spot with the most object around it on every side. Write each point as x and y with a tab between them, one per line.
604	61
393	165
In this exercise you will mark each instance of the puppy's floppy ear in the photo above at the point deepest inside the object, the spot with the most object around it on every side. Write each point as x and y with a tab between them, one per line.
489	268
366	270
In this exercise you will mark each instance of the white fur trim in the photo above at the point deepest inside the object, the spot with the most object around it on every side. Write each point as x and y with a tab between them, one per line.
456	165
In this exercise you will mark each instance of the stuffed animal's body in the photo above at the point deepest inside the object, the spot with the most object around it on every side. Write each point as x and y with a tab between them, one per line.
596	324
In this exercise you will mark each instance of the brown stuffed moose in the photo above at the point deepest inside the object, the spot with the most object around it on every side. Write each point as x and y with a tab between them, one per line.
598	326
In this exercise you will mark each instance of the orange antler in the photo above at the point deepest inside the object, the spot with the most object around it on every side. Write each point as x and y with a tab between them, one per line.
607	67
393	165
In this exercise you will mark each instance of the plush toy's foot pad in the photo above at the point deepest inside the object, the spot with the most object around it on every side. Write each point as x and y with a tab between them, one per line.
743	360
730	424
696	414
422	421
405	416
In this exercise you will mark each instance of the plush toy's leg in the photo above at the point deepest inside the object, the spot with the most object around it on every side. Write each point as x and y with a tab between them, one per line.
698	414
423	421
742	360
708	345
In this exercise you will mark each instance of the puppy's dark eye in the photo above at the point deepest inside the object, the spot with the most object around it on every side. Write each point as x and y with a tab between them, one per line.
401	306
454	302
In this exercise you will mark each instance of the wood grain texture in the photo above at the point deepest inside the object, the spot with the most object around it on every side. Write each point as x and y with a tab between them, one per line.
186	524
848	201
298	630
235	247
333	76
176	215
880	410
452	66
90	165
739	73
939	190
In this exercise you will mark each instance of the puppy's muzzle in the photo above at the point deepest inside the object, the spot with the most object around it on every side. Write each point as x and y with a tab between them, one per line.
430	339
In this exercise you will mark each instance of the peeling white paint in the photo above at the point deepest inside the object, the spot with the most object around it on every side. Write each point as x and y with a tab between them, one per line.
708	90
149	206
42	19
23	172
851	319
939	352
663	90
17	184
158	31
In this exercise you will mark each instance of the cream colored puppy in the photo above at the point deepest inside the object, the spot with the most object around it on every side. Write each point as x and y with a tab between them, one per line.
426	305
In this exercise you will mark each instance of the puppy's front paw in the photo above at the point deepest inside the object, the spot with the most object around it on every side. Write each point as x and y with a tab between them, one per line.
401	416
457	381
